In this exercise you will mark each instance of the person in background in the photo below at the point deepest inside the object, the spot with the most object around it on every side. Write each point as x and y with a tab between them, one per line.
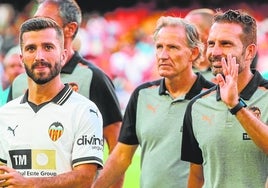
45	133
256	111
92	82
223	140
151	119
12	67
202	18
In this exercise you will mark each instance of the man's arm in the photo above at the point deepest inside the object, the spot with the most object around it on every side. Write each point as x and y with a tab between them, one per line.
110	134
116	165
266	184
81	176
256	129
196	178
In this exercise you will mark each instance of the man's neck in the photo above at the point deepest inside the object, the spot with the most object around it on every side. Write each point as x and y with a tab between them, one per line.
39	94
181	85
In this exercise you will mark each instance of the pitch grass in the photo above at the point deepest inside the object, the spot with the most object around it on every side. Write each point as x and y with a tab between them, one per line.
132	176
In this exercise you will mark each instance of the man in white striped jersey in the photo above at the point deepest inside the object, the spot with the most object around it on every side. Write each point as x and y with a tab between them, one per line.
51	136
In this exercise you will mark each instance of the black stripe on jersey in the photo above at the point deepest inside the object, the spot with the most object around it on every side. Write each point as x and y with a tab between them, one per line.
65	96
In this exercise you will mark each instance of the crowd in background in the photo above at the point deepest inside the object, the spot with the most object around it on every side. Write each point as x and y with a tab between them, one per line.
120	42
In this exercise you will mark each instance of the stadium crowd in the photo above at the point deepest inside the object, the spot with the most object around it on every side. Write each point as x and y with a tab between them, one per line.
120	41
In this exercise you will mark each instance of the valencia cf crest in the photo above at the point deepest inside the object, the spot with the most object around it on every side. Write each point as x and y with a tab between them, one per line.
55	131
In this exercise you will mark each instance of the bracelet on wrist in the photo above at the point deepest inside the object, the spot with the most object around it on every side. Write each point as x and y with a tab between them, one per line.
241	104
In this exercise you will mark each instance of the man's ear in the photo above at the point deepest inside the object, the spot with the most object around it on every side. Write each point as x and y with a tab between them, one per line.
251	52
195	54
64	57
70	29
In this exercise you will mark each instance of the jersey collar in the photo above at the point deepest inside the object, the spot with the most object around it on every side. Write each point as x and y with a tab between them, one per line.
59	99
69	66
197	87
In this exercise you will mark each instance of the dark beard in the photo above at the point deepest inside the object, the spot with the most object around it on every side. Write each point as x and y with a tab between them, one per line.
41	78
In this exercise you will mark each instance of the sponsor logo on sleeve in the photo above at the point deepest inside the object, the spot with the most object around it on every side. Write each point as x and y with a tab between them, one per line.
93	141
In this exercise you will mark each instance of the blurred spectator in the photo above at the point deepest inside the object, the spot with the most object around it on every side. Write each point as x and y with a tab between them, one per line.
262	65
131	64
202	19
10	22
7	17
12	66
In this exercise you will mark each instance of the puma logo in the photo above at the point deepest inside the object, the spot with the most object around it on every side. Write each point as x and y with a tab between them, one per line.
152	108
94	112
12	130
207	118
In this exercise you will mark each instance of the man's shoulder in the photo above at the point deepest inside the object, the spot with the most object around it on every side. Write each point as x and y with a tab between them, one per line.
79	62
86	66
205	95
11	105
21	78
80	100
19	85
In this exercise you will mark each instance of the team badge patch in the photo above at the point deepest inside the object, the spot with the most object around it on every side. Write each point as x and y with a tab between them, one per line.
55	131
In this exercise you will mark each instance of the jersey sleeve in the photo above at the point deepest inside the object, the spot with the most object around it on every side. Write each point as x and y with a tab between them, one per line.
3	157
88	145
3	160
102	93
128	133
190	150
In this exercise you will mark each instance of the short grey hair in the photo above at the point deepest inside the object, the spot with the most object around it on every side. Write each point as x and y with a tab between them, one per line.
69	11
192	36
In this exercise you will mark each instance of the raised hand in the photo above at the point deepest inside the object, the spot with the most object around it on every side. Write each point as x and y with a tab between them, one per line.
228	81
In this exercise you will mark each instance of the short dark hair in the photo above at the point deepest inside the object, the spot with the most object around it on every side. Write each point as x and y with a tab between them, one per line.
40	23
247	22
